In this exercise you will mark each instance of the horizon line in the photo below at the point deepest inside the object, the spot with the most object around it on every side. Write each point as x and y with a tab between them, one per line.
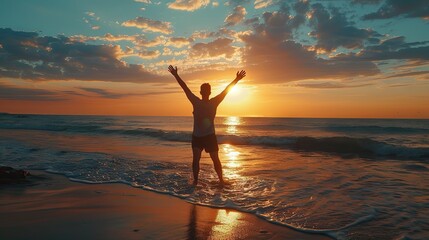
245	116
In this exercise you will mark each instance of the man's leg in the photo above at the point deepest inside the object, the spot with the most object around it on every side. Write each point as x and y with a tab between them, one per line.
217	165
196	152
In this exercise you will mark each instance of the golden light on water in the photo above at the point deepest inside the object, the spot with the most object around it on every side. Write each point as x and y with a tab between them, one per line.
230	152
232	122
232	155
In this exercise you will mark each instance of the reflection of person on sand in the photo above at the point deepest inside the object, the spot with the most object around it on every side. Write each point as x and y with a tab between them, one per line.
203	135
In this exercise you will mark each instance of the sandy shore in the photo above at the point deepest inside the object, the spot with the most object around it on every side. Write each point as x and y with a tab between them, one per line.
50	206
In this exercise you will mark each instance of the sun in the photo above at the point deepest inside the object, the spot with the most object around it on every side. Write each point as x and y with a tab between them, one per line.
238	93
235	91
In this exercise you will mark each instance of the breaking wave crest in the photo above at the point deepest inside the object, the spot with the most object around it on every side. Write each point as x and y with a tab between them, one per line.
341	145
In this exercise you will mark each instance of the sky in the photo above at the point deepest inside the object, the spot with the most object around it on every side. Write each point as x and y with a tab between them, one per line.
332	58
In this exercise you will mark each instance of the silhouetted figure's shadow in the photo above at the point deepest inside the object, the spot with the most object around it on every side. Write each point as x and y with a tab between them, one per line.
192	226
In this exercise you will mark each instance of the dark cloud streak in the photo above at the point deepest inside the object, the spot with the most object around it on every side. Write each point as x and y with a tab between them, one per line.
408	74
393	48
107	94
400	8
8	92
331	85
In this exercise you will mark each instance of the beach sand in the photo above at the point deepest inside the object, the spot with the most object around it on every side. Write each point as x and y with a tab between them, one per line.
49	206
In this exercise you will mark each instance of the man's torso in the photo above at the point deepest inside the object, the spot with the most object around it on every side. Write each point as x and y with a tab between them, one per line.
204	114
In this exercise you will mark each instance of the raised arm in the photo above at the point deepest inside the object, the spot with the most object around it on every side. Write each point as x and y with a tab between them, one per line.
189	94
240	75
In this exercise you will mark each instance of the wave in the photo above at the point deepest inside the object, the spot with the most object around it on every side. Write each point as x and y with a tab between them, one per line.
341	145
54	127
344	146
378	129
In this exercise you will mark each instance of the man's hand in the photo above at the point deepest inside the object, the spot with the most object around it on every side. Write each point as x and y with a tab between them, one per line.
240	75
173	70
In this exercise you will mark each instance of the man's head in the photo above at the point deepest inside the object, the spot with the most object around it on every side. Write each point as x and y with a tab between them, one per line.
205	90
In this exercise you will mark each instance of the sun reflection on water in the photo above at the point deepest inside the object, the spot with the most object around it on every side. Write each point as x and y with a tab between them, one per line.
232	164
232	155
232	122
232	159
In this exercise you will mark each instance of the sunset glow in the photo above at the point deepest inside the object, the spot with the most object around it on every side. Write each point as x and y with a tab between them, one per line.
309	58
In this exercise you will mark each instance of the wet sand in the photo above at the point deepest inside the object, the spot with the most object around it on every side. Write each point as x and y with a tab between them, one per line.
49	206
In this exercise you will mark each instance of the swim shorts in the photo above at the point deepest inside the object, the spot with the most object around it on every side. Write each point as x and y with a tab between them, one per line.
208	143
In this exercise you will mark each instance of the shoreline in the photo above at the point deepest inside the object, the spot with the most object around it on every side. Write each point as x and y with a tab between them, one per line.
50	206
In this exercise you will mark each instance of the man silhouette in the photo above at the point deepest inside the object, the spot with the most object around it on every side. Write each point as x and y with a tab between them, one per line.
203	134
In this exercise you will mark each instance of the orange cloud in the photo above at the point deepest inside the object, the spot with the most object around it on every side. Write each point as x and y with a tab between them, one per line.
149	54
188	5
178	42
236	17
149	25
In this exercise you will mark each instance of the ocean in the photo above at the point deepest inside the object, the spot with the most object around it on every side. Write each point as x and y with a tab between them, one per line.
345	178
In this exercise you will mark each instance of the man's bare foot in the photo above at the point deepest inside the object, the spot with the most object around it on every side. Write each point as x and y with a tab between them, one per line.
224	183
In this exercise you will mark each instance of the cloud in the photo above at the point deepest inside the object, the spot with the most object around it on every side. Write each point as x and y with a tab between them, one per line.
149	25
262	3
333	30
279	25
330	85
114	38
272	56
251	21
103	93
27	55
107	94
216	48
237	2
362	2
213	71
143	1
396	8
301	8
222	32
271	62
27	94
179	42
149	54
91	20
73	93
138	40
188	5
169	52
409	74
393	48
144	42
236	17
159	93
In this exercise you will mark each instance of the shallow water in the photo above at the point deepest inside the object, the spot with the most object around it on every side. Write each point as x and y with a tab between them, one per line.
346	178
